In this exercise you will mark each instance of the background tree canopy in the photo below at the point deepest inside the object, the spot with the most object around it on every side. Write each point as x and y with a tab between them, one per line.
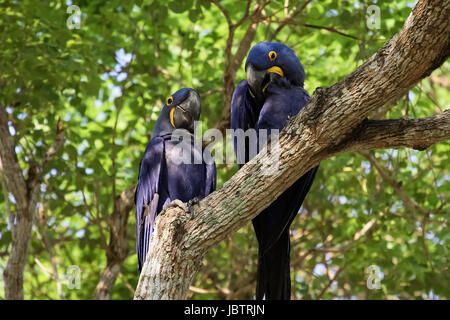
107	82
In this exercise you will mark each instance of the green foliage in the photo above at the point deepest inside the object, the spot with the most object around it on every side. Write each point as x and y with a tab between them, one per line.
108	80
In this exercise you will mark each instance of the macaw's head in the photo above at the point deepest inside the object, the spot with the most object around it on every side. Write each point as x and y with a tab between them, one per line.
267	61
179	112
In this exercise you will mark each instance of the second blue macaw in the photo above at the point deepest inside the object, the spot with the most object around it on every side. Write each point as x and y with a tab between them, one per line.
272	92
168	170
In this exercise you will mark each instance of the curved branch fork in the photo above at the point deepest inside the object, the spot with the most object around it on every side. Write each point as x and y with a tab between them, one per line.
333	122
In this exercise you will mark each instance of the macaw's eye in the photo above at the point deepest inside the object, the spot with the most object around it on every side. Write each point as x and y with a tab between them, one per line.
169	101
272	55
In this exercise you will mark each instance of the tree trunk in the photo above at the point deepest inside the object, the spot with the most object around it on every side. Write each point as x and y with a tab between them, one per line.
25	193
13	273
332	122
107	280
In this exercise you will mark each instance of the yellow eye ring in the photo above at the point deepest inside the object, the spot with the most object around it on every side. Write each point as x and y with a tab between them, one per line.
169	101
272	55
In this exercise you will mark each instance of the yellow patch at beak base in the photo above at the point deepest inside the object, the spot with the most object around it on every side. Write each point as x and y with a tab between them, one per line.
276	70
171	116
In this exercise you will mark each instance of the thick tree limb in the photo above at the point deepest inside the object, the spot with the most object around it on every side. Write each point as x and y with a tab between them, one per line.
179	243
416	134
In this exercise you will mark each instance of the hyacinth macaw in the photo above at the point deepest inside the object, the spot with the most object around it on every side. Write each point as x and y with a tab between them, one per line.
272	92
163	177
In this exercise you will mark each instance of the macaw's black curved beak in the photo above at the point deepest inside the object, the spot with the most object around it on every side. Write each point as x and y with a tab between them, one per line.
187	112
259	80
255	79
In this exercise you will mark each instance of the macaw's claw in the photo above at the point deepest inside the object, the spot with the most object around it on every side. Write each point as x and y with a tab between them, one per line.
190	206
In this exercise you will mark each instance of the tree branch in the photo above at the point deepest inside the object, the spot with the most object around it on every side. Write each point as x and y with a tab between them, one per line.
442	81
418	134
290	21
407	200
172	77
234	61
330	29
225	12
325	289
41	223
288	17
35	171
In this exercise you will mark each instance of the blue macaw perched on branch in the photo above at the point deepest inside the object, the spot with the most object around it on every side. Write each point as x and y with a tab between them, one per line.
163	176
272	93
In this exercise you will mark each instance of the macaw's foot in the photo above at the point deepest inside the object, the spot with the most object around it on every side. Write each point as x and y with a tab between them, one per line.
190	206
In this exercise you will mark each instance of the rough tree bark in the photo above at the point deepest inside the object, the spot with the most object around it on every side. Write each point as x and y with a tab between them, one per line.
333	122
25	193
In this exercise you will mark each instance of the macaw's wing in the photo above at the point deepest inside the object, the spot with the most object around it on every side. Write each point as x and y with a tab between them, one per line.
281	104
147	196
240	119
277	218
272	231
210	185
